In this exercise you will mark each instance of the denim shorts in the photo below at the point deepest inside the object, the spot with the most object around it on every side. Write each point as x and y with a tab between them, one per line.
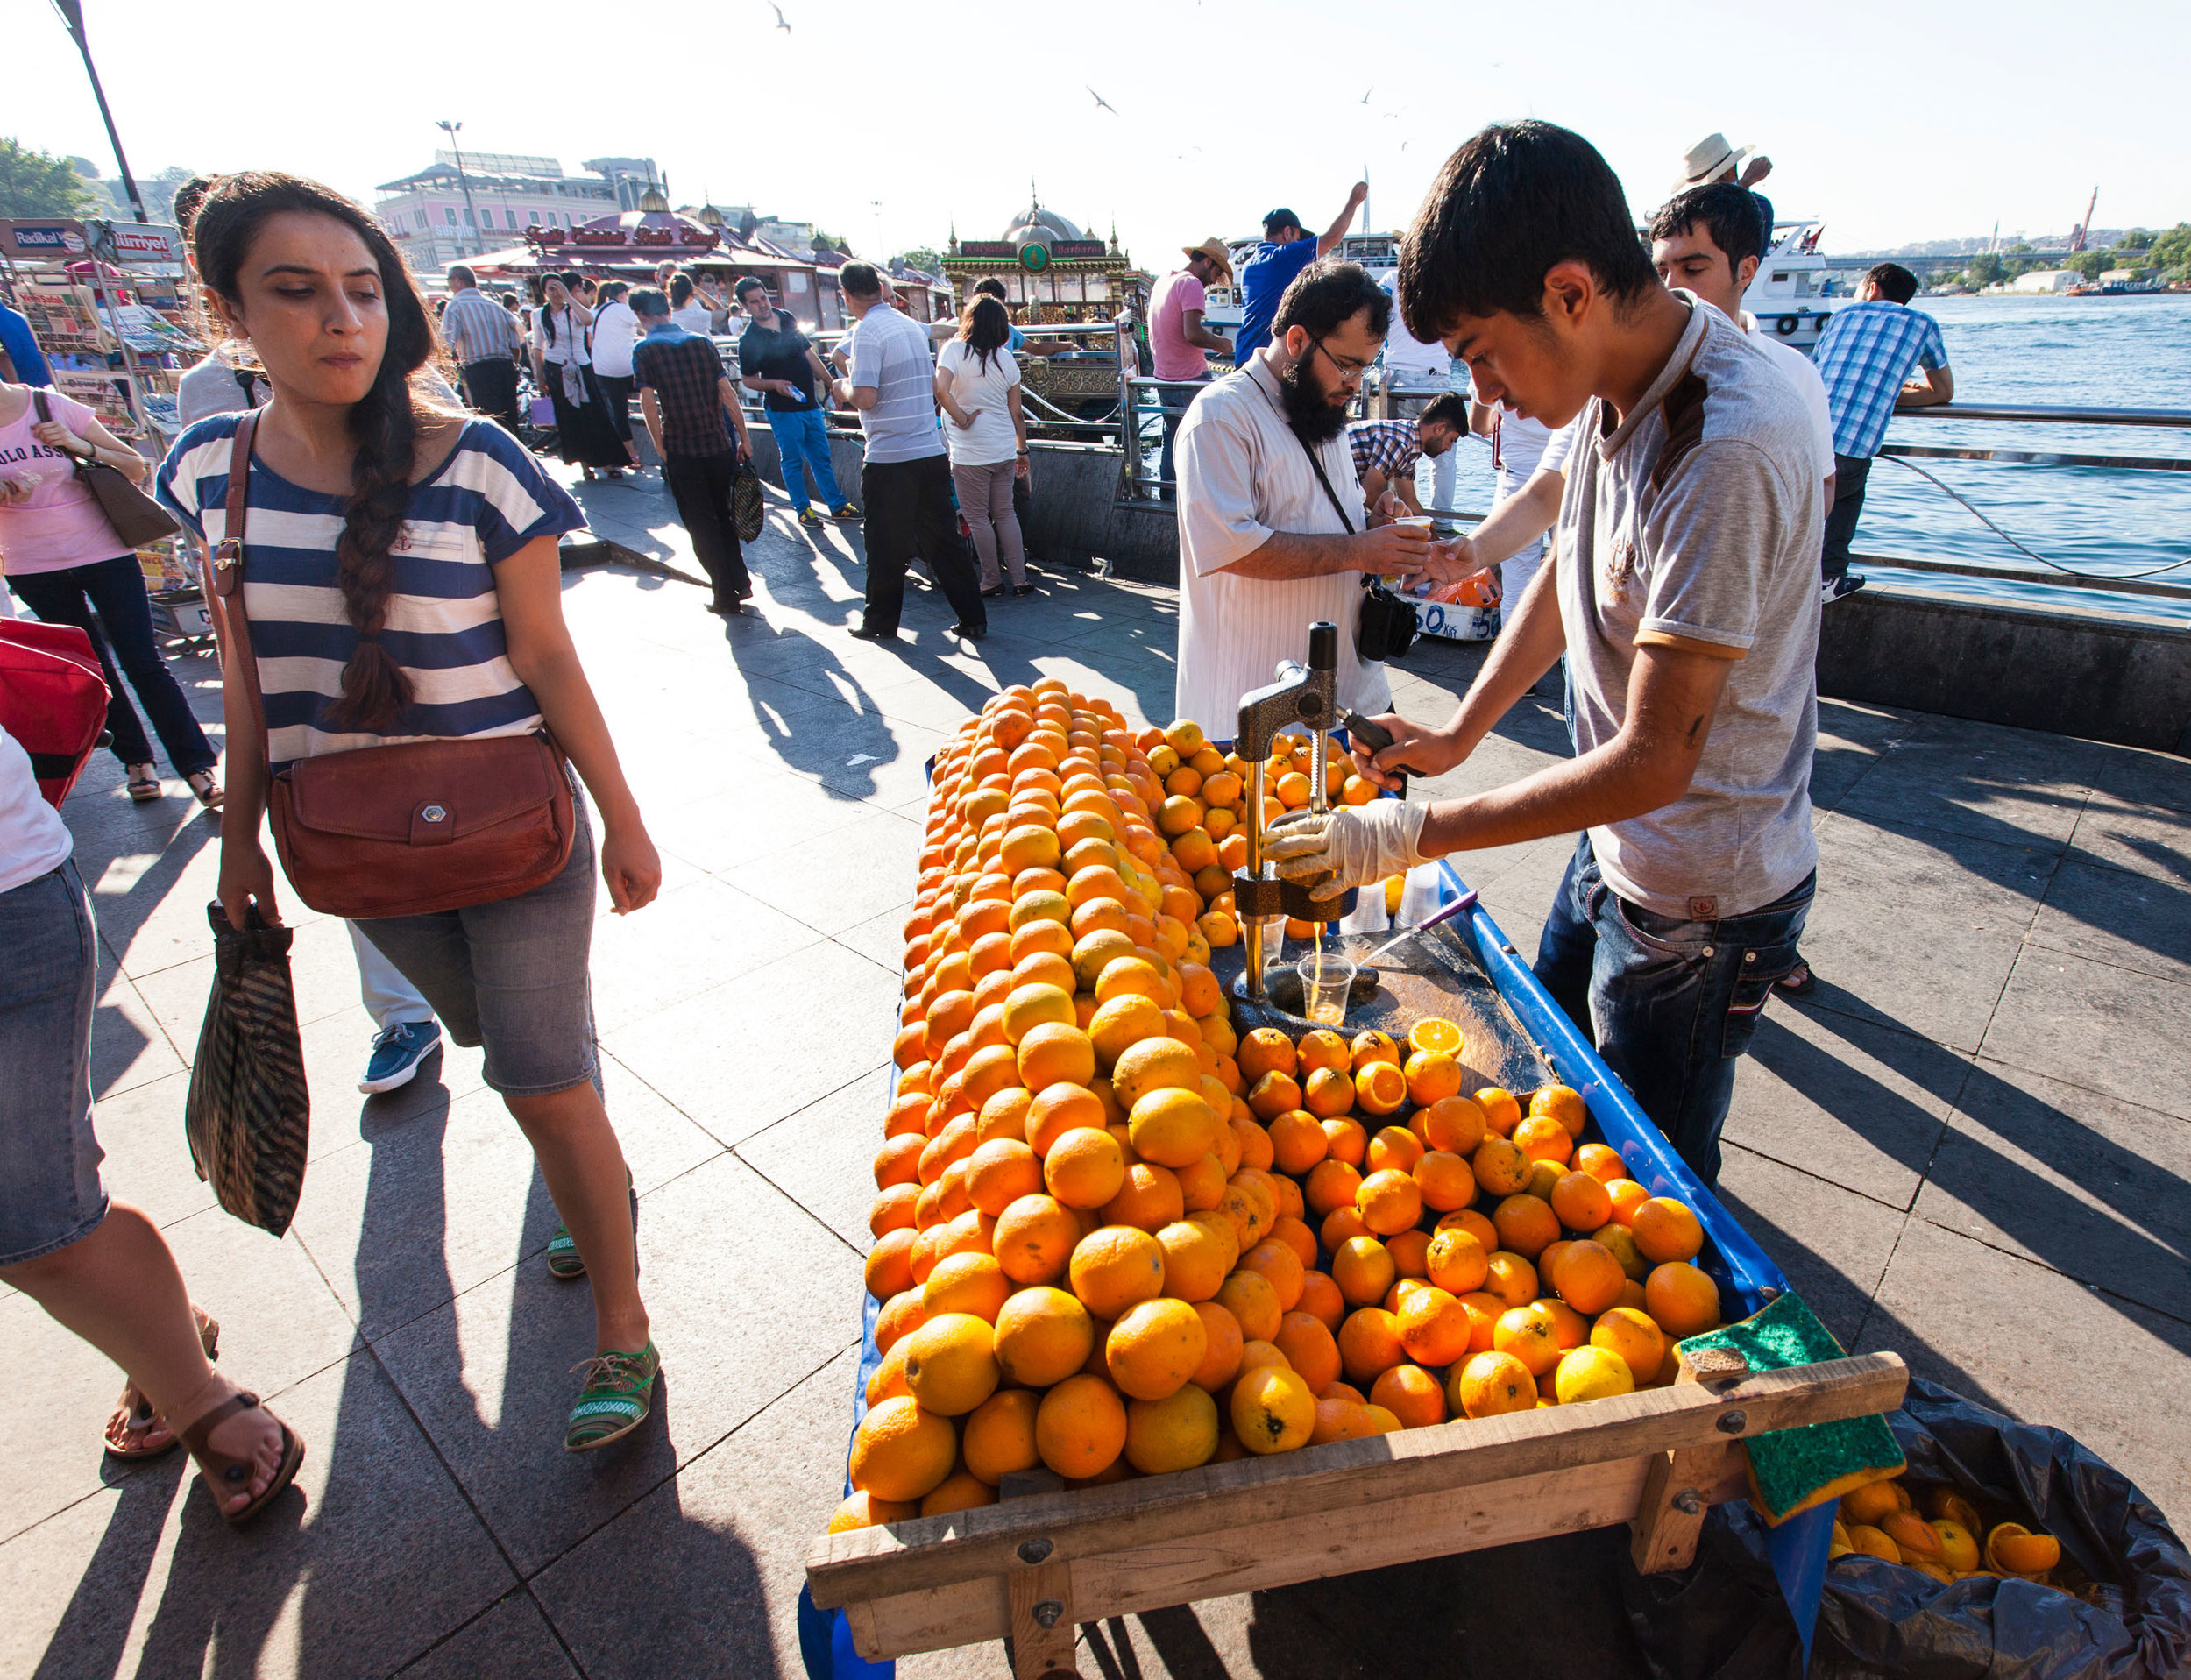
513	975
50	1194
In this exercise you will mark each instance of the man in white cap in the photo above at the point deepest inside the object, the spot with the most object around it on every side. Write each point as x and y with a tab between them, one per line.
1712	159
1178	343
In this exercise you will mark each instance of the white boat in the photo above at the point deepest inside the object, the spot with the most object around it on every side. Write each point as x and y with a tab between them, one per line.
1794	291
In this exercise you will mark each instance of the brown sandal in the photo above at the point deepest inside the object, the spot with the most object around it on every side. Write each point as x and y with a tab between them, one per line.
221	1471
133	1413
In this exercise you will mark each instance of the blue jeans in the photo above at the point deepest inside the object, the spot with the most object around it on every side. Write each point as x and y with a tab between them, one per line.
114	589
1670	1003
802	437
1179	396
50	1194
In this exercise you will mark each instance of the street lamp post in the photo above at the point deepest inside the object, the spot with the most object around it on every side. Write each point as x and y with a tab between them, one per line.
72	19
463	182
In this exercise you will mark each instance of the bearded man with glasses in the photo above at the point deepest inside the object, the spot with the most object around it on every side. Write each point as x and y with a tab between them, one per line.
1274	530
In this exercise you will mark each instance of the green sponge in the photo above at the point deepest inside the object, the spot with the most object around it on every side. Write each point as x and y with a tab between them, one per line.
1793	1469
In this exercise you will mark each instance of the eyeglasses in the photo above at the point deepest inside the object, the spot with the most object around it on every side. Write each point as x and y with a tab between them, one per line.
1350	371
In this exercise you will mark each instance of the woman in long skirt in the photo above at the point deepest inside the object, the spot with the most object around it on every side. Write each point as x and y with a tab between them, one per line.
562	364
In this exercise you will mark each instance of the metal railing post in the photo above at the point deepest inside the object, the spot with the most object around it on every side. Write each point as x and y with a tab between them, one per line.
1129	417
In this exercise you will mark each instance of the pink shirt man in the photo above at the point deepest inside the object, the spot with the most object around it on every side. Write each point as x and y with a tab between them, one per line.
1175	358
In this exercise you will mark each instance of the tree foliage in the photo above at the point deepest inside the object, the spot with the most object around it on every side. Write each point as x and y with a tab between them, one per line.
38	183
2171	251
929	262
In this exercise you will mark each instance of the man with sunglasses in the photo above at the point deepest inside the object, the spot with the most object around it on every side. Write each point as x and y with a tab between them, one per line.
1274	530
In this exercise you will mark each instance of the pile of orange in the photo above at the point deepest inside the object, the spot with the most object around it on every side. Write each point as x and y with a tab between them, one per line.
1936	1533
1100	1214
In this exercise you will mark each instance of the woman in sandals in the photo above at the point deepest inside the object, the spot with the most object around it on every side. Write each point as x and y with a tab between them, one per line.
64	561
401	583
100	1267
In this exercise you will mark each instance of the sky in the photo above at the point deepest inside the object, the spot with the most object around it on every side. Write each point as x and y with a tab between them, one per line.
1893	124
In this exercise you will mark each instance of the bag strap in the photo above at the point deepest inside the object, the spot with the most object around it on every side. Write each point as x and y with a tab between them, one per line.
1316	466
224	578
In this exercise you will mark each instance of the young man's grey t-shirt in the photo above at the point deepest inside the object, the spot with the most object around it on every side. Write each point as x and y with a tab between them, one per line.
1696	524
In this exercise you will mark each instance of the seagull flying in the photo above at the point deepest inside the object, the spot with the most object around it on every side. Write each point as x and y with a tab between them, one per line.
780	24
1100	100
1367	91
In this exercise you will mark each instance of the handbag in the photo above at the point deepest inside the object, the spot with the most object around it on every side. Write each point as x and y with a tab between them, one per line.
748	507
53	700
406	830
1387	625
248	1115
135	517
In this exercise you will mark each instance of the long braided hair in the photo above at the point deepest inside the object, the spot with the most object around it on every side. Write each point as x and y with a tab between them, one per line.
384	422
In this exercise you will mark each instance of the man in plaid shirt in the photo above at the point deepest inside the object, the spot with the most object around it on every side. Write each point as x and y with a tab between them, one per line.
1865	356
1386	451
686	394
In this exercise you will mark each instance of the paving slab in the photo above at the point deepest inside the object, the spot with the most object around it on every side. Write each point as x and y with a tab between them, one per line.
818	1156
2110	916
2094	1025
2027	1341
836	880
2096	1189
742	1285
511	1641
767	813
684	943
881	939
1834	1244
2151	840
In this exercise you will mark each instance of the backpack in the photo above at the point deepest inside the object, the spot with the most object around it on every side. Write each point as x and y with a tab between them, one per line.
52	699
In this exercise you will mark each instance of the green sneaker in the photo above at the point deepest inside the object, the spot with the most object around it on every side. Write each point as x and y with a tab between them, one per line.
563	1260
613	1399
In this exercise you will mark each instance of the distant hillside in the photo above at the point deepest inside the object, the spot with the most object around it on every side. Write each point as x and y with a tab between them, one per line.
2099	238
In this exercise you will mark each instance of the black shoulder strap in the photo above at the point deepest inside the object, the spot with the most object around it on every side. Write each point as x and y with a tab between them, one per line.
1316	465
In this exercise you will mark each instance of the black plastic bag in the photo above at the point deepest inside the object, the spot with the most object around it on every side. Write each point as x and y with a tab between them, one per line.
748	507
1723	1617
2135	1625
248	1117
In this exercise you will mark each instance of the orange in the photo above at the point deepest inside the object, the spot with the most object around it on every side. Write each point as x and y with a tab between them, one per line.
864	1511
890	1264
1453	1124
1322	1048
1345	1140
900	1314
1483	1313
1627	1196
1155	1062
1054	1053
1445	1181
898	1160
1084	1168
1543	1139
1272	1094
1364	1269
1455	1261
1274	1410
1411	1252
1373	1045
1267	1050
1056	1109
1411	1394
1034	1239
1475	1224
1602	1161
1563	1104
1434	1326
1531	1334
1500	1169
1581	1202
1589	1373
1004	1115
1872	1543
1039	968
2012	1549
1202	1184
1223	1347
892	1209
888	1379
1028	847
1490	1384
1297	1141
1081	1427
1121	1024
1148	1198
965	1283
1379	1088
1280	1267
1588	1278
1501	1112
1093	953
1339	1418
902	1453
951	1363
1664	1229
1395	1147
1116	1267
1176	1433
1432	1077
1526	1226
1684	1300
1389	1201
1029	1007
999	1173
1332	1184
1155	1348
1040	939
1196	1258
1369	1344
1321	1300
1328	1093
1173	1127
1248	1296
1631	1335
1510	1278
999	1438
1309	1348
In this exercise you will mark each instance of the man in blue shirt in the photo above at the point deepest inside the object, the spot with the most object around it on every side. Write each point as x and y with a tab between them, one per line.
1285	251
1865	355
25	361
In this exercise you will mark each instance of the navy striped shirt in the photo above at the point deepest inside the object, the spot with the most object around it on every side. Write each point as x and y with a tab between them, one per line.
445	625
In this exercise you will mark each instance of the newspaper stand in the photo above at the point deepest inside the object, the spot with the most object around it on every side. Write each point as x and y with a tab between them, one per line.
1046	1558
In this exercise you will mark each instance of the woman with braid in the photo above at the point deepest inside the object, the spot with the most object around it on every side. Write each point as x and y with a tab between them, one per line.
400	577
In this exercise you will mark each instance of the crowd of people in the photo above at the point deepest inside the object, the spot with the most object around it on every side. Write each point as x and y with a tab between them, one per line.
1699	485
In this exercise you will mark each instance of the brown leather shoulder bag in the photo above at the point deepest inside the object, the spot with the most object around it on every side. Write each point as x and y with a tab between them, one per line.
405	830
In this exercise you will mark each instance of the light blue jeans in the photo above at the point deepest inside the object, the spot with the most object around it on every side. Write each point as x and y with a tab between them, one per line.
802	438
49	1193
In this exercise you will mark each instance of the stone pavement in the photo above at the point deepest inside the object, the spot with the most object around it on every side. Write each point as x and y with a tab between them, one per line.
1972	1148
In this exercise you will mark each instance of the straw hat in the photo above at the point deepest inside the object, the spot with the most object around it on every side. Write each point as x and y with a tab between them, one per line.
1709	157
1213	248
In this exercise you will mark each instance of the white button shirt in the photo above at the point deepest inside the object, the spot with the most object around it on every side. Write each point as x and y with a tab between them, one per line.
1243	476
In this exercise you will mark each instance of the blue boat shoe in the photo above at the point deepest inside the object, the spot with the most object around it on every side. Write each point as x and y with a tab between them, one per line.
396	1054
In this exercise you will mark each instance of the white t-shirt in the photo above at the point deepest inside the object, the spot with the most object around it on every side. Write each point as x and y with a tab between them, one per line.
1802	373
1404	353
979	390
695	316
615	330
33	839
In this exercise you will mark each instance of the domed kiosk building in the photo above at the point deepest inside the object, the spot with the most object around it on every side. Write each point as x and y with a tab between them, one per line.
1052	271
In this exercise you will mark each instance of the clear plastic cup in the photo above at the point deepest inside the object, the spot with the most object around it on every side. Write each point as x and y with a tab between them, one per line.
1325	978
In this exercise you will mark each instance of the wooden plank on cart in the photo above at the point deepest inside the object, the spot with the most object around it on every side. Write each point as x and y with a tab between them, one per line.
927	1584
1670	1517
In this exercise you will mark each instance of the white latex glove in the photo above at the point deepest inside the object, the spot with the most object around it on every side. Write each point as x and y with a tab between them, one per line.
1353	845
